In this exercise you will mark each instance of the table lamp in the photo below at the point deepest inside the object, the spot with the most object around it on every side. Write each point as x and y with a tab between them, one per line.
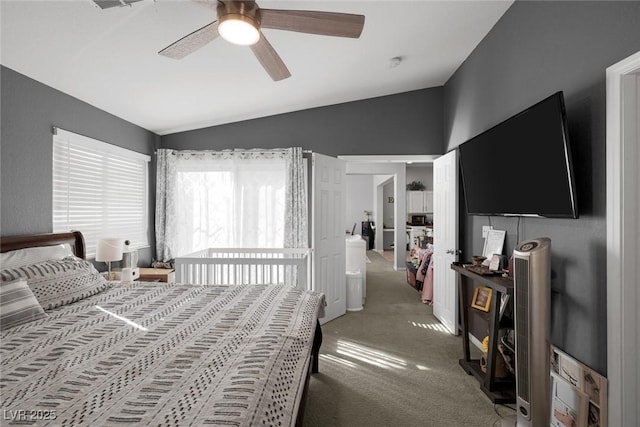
109	250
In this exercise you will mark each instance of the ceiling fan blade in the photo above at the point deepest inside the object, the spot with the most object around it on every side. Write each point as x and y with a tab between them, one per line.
192	42
270	60
324	23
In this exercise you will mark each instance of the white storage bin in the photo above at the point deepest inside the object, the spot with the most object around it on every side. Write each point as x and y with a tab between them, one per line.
356	259
354	290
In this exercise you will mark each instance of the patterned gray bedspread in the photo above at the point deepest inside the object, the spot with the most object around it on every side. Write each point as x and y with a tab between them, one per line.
162	355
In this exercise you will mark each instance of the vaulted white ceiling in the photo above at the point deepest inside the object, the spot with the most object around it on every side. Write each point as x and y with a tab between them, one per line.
109	57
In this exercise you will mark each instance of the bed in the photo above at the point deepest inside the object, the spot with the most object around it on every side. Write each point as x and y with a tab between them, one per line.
157	354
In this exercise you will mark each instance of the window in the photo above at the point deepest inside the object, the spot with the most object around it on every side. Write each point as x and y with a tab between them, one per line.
99	189
229	203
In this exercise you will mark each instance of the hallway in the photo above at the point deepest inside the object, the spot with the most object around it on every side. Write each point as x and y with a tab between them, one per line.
393	363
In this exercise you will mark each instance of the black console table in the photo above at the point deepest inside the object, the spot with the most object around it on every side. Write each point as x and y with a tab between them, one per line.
498	390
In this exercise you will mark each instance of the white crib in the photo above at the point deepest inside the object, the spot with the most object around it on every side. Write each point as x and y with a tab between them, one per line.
234	266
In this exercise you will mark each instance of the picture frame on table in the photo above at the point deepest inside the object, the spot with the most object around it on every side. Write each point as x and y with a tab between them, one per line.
482	298
493	243
495	262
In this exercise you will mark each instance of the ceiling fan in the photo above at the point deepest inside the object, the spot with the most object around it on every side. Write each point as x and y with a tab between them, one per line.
240	22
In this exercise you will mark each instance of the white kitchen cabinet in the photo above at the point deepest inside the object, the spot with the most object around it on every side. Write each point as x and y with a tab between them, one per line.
428	201
415	201
419	201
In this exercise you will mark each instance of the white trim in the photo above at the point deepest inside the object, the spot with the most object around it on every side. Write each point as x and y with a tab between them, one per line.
622	256
403	158
398	171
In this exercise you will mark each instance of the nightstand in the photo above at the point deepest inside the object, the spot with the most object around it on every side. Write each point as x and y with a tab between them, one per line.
157	275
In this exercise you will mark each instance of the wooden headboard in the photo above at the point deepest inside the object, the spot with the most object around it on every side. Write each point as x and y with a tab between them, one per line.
73	238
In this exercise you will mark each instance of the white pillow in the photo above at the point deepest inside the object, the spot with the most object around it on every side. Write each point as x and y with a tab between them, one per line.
21	257
59	282
18	305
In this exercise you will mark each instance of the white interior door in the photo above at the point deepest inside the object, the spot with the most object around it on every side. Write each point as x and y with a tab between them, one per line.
445	240
328	218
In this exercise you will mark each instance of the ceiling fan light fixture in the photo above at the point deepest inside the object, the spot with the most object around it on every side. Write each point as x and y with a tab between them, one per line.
238	29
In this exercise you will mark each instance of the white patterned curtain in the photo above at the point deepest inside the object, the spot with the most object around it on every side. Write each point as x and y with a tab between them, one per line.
231	198
165	200
296	213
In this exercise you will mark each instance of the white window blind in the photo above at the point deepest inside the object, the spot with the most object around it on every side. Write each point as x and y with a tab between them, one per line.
99	189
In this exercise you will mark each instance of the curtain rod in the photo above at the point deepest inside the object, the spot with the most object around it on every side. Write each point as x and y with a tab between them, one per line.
303	151
54	130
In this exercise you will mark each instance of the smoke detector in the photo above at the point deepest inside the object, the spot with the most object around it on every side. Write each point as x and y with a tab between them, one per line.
395	61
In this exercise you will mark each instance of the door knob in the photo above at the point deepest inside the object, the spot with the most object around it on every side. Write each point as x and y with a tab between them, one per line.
454	251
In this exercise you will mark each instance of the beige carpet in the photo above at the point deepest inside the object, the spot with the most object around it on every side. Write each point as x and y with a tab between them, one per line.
392	364
390	254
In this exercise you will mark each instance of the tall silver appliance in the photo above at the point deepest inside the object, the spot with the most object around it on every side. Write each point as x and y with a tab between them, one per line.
532	290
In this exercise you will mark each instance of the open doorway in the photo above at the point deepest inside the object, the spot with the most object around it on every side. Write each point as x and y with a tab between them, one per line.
444	187
386	178
362	204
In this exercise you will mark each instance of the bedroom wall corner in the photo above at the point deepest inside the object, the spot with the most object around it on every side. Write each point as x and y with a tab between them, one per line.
28	112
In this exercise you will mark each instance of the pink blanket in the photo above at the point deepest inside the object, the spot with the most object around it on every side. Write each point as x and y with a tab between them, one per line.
427	286
425	274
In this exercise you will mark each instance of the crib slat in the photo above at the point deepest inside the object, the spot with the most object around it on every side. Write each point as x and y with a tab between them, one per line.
246	266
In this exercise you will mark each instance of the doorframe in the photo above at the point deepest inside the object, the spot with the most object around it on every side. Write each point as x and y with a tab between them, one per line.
622	255
398	174
394	165
379	182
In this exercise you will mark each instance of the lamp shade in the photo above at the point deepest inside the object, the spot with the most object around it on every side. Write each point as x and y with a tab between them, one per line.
109	250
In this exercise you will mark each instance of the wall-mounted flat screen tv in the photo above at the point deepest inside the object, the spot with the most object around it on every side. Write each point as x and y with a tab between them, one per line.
522	166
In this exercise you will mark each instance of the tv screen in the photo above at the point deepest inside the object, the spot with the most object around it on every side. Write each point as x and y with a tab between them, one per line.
522	166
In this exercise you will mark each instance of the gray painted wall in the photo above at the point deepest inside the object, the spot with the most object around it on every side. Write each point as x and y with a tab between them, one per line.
29	111
535	49
422	173
406	123
359	198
